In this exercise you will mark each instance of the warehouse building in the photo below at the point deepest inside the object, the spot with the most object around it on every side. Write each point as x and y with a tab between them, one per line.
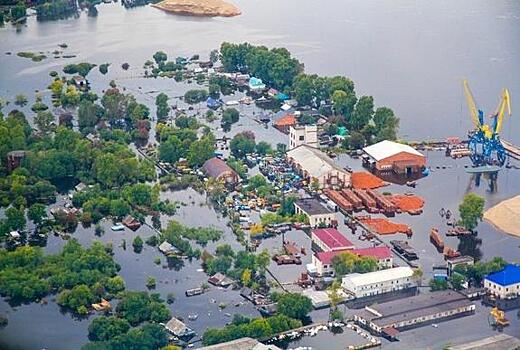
388	319
318	215
303	135
369	284
504	284
315	166
329	239
392	156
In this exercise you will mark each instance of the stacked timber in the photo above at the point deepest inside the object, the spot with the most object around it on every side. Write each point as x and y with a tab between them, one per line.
385	204
341	201
368	202
357	203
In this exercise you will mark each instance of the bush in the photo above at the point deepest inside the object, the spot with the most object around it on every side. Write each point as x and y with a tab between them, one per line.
195	96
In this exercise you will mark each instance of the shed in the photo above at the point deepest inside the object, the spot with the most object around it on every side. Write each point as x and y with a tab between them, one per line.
218	169
167	249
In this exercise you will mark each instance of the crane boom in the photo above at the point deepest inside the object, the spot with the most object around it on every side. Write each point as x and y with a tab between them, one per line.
505	102
471	105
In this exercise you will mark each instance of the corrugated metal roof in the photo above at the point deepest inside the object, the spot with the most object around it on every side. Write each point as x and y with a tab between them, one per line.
385	149
361	279
314	161
332	238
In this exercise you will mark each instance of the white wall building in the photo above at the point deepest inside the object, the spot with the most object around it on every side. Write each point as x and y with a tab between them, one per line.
378	282
505	283
317	214
303	135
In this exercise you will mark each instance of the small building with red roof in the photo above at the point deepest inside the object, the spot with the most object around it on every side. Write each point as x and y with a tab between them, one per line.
284	123
329	239
322	261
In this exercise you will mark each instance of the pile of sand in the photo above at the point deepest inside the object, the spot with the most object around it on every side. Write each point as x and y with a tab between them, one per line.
505	216
207	8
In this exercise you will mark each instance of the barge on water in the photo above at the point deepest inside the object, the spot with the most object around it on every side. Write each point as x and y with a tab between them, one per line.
194	291
403	248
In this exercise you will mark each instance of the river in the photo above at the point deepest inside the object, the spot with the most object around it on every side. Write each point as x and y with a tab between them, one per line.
410	55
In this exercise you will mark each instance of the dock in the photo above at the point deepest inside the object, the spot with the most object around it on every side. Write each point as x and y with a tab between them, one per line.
512	150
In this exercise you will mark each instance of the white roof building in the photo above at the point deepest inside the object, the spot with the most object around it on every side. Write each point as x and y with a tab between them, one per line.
388	155
385	149
315	165
378	282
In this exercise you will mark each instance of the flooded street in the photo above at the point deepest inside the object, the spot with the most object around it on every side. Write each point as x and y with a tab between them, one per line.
410	55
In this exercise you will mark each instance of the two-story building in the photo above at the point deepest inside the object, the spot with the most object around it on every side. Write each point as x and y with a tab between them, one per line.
504	284
303	135
317	214
369	284
321	264
329	239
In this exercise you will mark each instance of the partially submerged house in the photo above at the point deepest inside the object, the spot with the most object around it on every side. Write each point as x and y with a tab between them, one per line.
220	280
178	328
167	249
131	222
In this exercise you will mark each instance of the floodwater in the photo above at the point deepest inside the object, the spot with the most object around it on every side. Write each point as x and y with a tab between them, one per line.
410	55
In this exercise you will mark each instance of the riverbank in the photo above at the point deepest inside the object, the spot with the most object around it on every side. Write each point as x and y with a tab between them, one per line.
203	8
505	216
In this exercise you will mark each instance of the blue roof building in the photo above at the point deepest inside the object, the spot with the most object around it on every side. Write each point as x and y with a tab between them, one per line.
504	283
256	84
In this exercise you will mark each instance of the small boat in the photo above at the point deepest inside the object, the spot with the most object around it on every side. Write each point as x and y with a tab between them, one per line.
411	184
118	227
193	317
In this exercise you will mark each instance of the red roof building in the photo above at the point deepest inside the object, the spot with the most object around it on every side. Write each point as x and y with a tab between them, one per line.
330	239
284	123
322	261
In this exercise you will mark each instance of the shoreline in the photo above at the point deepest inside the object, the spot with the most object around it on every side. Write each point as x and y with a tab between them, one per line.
205	8
505	216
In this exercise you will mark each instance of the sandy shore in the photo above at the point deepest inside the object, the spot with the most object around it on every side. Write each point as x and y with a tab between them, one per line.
505	216
206	8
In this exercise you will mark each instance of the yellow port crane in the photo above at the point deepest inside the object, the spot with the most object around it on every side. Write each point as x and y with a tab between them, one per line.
484	142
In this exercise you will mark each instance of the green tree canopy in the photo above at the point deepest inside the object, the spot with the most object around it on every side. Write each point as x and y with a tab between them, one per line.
471	210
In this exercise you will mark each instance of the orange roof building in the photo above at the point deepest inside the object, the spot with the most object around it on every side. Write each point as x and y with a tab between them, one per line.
284	123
